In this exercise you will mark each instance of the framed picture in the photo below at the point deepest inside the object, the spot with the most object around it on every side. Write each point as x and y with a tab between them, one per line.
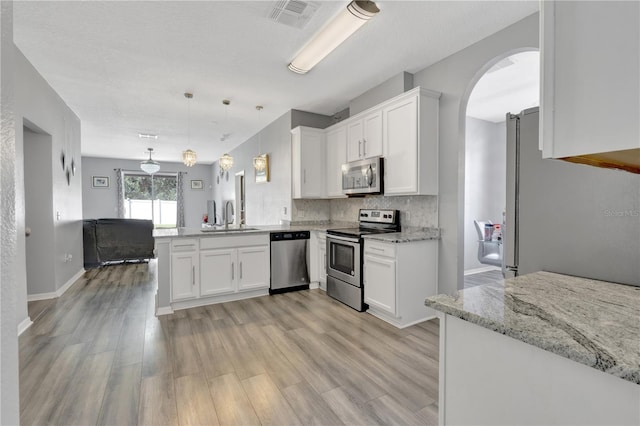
263	175
100	181
197	184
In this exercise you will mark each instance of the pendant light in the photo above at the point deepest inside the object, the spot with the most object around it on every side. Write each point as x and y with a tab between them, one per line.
259	162
189	156
150	166
226	161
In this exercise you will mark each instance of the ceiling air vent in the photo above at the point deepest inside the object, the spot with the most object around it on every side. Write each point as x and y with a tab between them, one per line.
293	13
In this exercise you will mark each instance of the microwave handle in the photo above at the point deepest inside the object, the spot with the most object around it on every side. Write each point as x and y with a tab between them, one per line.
369	176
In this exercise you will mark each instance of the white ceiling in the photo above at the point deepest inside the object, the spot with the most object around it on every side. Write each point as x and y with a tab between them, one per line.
511	85
123	66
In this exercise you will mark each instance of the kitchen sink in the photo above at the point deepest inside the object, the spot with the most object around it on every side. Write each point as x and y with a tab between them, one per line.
222	229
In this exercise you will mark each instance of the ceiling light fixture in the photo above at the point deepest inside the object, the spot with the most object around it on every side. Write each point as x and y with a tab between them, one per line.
150	166
341	27
226	162
147	136
259	162
189	156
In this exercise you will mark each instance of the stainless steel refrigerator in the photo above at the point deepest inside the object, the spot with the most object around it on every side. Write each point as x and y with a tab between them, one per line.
567	218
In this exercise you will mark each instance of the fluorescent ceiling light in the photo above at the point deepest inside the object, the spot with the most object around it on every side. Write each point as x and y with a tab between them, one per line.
355	15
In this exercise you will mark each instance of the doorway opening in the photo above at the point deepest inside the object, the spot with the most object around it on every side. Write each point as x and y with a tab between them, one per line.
511	85
38	214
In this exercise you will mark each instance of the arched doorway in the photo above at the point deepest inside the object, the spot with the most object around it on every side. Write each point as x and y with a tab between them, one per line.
509	84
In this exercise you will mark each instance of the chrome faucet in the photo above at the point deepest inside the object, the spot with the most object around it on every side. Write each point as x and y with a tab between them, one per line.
228	204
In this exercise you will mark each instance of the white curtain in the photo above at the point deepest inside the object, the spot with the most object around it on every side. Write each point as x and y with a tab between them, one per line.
180	201
120	192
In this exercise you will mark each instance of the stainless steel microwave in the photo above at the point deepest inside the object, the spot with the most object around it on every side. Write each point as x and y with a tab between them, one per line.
363	177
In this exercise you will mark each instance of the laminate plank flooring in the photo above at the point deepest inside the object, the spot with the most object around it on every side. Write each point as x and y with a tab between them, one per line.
98	355
482	278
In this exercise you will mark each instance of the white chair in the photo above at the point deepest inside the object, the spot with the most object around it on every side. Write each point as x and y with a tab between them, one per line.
489	252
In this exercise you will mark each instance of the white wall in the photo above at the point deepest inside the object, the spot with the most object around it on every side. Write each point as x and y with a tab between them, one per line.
9	389
102	202
40	107
455	77
485	181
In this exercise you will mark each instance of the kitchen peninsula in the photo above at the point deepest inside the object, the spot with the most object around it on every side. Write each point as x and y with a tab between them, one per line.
542	348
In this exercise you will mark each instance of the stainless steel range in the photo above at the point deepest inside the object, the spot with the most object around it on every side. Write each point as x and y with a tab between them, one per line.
344	255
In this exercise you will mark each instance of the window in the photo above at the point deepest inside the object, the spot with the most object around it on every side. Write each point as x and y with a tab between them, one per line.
151	197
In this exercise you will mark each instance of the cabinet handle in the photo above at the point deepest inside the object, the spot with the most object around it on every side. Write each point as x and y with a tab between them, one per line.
232	271
193	275
240	270
304	176
183	245
376	248
359	148
364	147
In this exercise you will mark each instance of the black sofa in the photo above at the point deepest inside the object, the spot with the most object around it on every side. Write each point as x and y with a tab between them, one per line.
116	240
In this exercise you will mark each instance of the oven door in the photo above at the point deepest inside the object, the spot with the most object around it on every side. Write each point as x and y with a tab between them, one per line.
343	259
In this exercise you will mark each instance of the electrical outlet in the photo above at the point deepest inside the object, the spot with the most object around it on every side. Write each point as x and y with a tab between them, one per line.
300	213
284	211
58	215
407	216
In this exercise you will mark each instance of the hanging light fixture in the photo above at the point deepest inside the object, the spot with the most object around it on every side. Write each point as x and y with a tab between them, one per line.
355	15
259	162
189	156
150	166
226	162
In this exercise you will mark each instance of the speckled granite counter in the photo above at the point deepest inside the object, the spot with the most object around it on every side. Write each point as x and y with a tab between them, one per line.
259	229
407	235
595	323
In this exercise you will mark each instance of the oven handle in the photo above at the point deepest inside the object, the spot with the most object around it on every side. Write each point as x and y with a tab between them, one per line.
339	238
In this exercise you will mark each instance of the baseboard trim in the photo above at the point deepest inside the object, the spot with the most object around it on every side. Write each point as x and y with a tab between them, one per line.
59	292
481	270
24	325
165	310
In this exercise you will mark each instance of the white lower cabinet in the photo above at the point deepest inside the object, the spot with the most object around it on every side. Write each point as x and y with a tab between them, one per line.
253	262
318	259
217	269
183	275
397	279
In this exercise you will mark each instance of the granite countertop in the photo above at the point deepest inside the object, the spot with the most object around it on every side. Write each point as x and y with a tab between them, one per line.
248	229
407	235
595	323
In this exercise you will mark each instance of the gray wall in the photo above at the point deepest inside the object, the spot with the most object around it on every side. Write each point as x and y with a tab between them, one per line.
9	304
455	77
266	202
485	181
102	202
388	89
39	107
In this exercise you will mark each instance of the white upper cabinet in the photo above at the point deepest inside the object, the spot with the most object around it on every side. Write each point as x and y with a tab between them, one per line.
364	136
410	142
308	162
590	54
336	157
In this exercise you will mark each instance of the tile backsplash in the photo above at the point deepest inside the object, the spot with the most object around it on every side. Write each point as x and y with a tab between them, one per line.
418	210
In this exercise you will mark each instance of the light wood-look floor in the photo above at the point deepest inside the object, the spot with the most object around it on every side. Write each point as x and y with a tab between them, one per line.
488	277
98	355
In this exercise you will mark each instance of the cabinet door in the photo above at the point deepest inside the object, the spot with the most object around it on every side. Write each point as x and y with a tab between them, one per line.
184	273
253	267
590	85
336	157
322	261
308	163
355	133
372	138
217	271
380	283
401	147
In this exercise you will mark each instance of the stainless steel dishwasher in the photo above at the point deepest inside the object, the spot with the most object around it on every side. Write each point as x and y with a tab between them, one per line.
289	261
